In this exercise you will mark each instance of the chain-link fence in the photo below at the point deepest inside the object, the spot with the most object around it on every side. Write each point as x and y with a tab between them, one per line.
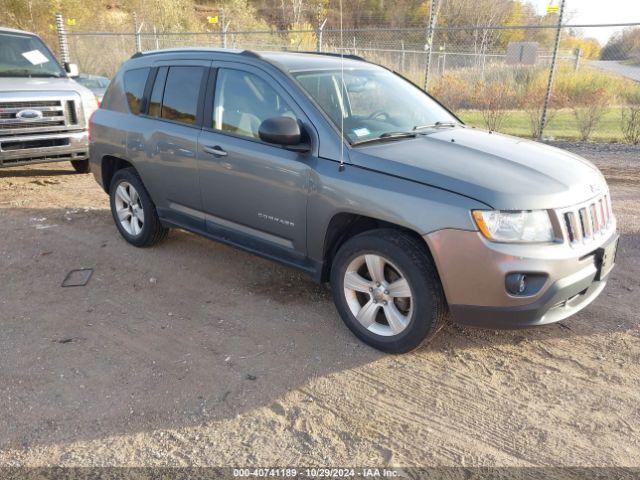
492	76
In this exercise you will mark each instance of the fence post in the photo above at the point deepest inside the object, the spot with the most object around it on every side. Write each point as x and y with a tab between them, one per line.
552	72
136	31
403	58
62	39
224	28
484	63
433	19
319	36
444	59
576	65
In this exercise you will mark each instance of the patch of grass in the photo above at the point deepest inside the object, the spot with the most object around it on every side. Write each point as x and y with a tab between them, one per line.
562	126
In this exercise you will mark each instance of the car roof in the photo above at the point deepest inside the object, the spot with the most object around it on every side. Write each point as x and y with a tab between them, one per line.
288	61
304	61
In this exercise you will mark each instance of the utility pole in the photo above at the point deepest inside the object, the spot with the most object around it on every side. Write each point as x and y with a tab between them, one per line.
552	72
428	47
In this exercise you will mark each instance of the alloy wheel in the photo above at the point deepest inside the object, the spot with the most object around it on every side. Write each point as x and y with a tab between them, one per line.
129	208
378	294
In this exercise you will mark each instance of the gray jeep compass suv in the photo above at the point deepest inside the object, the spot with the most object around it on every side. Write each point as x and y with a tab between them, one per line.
350	173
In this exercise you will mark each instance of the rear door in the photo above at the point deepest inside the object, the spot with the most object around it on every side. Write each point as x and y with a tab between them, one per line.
253	190
175	110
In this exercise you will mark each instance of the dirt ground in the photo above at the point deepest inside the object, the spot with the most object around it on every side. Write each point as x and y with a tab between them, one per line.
193	353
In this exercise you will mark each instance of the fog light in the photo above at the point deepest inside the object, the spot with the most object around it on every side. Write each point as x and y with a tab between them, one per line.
516	283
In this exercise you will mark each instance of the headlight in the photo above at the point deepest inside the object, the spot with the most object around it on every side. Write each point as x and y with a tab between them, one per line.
89	105
515	226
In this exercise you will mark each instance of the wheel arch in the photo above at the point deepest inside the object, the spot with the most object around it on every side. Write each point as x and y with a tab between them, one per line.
345	225
109	165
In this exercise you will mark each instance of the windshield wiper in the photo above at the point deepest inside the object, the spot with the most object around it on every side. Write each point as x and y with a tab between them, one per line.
387	136
27	73
435	125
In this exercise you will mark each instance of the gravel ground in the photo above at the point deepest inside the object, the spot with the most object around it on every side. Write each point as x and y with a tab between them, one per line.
193	353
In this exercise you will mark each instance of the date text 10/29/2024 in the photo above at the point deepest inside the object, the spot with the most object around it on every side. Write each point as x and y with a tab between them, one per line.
317	472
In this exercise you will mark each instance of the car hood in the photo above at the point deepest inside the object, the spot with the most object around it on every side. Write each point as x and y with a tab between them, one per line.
38	84
504	172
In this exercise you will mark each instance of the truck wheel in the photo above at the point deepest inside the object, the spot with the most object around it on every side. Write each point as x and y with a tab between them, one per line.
387	290
133	211
81	166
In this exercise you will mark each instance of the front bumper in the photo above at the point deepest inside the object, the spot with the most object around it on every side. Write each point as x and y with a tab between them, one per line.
473	272
43	147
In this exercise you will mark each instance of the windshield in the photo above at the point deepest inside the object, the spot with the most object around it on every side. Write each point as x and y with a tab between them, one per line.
26	56
376	103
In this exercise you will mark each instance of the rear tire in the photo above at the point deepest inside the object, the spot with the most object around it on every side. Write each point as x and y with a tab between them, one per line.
399	305
133	211
81	166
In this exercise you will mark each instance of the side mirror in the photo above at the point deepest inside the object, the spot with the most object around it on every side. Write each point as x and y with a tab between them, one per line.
71	69
283	131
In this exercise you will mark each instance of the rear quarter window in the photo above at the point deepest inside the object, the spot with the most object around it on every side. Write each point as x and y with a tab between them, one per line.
108	94
134	83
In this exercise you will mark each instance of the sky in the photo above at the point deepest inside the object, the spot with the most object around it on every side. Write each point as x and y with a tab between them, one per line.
597	11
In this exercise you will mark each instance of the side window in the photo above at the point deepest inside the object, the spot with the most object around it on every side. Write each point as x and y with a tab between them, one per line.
243	101
134	82
325	89
155	101
181	92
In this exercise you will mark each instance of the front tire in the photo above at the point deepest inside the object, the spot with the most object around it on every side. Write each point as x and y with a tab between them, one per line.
387	290
133	211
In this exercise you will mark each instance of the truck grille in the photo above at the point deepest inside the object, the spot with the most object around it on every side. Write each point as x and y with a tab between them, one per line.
56	114
588	220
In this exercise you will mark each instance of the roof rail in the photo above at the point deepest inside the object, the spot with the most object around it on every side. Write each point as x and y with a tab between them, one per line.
185	50
247	53
350	56
251	53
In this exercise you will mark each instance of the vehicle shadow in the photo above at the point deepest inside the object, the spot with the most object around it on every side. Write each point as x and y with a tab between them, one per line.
49	171
185	333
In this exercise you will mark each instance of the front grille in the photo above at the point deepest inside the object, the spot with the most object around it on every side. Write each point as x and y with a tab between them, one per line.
35	104
55	113
70	112
27	144
588	220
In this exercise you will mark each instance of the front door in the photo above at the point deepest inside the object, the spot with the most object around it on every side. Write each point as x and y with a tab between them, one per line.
252	191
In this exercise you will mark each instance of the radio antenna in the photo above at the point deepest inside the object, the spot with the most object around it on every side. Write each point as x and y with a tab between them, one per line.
341	167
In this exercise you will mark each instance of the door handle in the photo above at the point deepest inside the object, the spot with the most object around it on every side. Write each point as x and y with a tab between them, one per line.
217	151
